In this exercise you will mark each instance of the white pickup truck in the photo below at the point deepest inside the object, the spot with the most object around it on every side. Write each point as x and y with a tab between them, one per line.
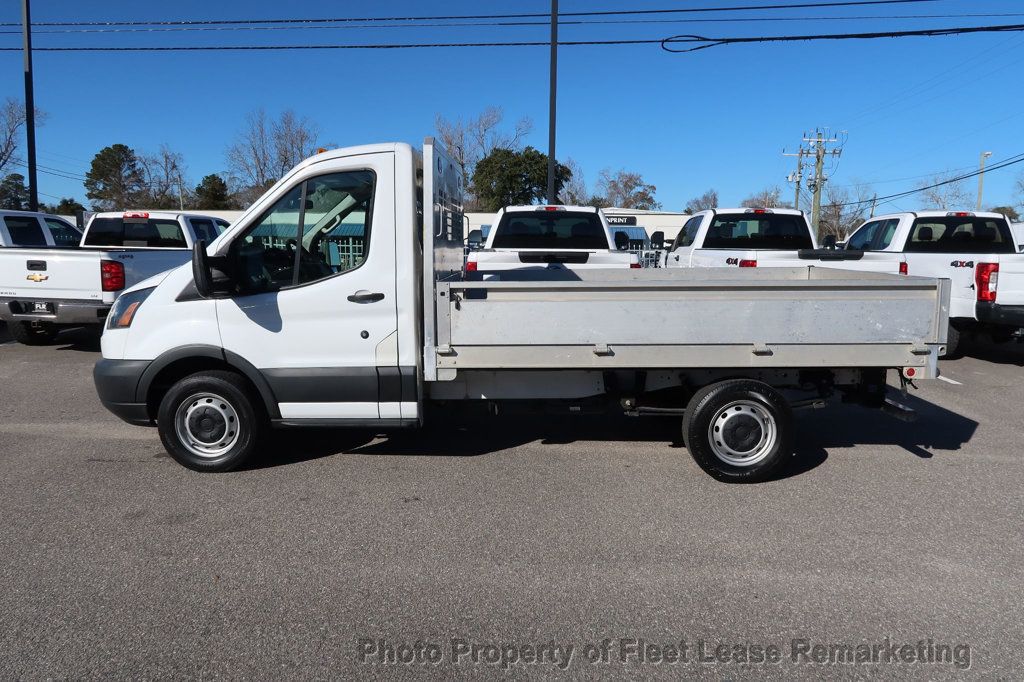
549	237
976	251
26	228
759	238
269	326
48	286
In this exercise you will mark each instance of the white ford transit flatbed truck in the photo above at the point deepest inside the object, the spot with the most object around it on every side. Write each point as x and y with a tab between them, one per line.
339	299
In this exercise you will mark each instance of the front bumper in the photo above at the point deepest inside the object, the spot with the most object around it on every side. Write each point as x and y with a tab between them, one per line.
117	384
63	311
1000	315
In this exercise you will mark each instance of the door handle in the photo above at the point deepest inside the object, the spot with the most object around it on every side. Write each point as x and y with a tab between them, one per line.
364	296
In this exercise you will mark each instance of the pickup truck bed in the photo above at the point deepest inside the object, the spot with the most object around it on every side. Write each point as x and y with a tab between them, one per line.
778	317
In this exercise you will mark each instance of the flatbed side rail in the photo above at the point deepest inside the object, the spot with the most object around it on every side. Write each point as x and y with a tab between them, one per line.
813	322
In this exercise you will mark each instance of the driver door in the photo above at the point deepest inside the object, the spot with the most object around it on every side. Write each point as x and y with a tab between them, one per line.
315	309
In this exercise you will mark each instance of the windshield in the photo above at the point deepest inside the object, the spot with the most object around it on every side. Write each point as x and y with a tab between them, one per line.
966	234
760	231
155	232
550	230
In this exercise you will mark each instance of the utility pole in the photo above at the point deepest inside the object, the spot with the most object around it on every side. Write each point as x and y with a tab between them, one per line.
30	108
981	175
819	149
552	199
798	176
874	203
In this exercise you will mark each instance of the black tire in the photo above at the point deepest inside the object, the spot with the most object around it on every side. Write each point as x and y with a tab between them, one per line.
32	335
954	344
212	421
754	422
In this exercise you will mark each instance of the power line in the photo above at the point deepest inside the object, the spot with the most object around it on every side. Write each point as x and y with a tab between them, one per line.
67	175
450	17
496	24
664	42
1013	160
381	46
930	32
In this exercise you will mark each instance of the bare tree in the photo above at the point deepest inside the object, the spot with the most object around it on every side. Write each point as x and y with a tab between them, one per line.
266	149
946	196
702	203
12	121
769	197
295	139
471	140
575	191
625	189
164	177
1020	192
844	211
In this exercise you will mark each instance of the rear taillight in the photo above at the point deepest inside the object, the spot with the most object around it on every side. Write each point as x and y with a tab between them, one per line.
904	268
634	265
111	275
986	279
748	263
471	266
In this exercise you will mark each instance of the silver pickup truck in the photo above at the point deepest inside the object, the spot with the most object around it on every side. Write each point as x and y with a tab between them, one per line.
48	286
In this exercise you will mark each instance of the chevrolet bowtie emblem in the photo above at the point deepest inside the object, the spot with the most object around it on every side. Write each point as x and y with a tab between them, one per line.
36	277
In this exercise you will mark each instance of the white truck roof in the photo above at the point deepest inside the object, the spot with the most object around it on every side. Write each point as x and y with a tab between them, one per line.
544	207
165	215
754	209
941	214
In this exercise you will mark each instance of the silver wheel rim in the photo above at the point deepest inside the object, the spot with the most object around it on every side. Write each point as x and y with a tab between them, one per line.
742	433
207	425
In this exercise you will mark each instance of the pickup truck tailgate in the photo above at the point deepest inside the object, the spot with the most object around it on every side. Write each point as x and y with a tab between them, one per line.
775	317
58	274
1010	289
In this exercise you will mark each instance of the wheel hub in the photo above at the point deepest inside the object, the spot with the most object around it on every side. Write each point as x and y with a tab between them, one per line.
207	425
742	433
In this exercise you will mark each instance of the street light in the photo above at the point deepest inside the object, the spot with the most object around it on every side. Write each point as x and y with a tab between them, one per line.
981	175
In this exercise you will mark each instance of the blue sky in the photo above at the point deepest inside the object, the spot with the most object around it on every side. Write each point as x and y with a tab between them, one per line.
717	118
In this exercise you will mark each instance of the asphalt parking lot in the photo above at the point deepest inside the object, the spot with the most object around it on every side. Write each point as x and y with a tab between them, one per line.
117	561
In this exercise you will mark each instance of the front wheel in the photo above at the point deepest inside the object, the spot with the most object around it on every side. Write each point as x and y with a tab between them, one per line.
211	422
739	431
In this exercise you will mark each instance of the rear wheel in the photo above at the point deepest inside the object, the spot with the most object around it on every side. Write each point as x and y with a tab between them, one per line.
211	421
33	333
739	431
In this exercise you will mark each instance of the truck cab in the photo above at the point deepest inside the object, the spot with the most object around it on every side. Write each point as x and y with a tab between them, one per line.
759	238
30	229
549	237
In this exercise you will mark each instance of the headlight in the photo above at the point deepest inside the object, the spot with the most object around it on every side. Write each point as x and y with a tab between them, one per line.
125	307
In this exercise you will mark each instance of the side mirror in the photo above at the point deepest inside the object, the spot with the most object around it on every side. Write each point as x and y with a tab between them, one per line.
621	241
658	240
201	274
829	242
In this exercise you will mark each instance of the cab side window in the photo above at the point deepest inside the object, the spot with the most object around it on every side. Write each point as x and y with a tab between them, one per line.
688	233
25	231
63	234
862	238
319	229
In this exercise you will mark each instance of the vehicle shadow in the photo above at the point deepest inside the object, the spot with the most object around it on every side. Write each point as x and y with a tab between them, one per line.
937	429
1009	353
459	436
83	339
